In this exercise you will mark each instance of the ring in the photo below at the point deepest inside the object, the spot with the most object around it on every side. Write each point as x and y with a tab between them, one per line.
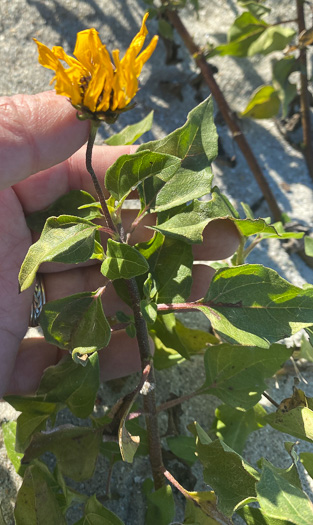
39	299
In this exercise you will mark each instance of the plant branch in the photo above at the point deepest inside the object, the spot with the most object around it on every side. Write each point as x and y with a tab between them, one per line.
90	144
270	399
226	112
304	94
177	401
149	401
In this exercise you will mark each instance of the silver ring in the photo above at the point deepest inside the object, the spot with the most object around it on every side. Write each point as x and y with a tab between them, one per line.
39	299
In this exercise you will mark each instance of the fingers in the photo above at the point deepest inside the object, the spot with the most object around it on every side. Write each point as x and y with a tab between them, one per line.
220	240
36	132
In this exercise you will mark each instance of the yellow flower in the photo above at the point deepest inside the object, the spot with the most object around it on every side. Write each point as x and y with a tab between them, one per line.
91	81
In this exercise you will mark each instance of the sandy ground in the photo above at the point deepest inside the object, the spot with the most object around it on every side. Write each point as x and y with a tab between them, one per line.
56	23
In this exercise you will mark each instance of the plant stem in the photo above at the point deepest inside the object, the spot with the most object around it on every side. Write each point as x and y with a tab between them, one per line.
270	399
240	256
155	451
90	144
304	94
149	401
225	110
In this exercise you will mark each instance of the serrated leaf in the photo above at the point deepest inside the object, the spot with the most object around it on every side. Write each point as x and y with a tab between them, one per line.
131	133
280	499
64	239
96	514
76	323
253	305
129	170
218	461
236	374
36	502
76	449
73	203
161	506
9	434
123	261
264	103
70	383
233	425
297	422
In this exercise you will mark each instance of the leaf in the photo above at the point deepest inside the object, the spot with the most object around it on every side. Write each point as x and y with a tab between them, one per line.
255	8
280	499
253	516
68	204
308	245
128	170
36	502
236	374
253	305
9	433
131	133
96	514
70	383
76	449
233	425
123	261
64	239
195	142
274	38
161	506
306	459
281	71
201	509
76	323
183	447
264	103
34	416
241	35
149	311
165	29
218	462
297	422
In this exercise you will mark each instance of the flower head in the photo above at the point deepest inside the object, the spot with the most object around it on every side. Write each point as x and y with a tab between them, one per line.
97	87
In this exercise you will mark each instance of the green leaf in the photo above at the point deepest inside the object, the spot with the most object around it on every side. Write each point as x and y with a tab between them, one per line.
306	459
34	416
280	499
183	447
255	8
287	91
218	462
171	268
149	311
123	261
96	514
233	425
70	383
264	103
68	204
9	434
131	133
201	509
165	29
67	323
253	305
36	502
306	350
297	422
274	38
76	449
236	374
253	516
308	245
161	506
64	239
195	142
241	35
126	173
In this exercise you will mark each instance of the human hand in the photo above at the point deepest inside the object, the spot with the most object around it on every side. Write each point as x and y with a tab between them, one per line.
42	158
